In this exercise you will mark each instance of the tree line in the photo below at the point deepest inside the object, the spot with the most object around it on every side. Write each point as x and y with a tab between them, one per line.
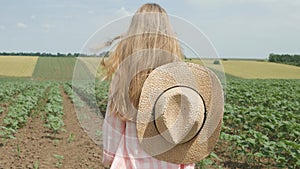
44	54
285	58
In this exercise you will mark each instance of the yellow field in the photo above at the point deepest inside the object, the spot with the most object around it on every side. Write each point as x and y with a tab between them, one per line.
18	66
254	69
260	70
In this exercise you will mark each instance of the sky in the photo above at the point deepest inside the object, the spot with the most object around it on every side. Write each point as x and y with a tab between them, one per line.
236	28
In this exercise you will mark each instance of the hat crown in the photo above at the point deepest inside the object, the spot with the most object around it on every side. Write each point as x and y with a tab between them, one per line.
153	138
179	114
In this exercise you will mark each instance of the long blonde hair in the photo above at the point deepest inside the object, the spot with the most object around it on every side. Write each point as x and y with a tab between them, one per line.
150	29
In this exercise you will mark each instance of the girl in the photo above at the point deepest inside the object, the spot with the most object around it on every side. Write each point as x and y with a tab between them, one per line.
150	29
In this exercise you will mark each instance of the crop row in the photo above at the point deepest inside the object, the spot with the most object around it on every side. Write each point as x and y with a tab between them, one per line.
262	122
54	109
95	95
72	95
28	103
10	89
261	125
23	107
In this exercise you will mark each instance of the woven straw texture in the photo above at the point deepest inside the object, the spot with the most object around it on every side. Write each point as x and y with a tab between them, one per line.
206	83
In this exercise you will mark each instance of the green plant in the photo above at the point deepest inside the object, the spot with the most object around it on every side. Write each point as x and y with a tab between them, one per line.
260	124
98	133
36	165
56	142
54	123
73	95
70	138
1	110
203	164
21	108
18	150
59	159
6	133
54	110
209	161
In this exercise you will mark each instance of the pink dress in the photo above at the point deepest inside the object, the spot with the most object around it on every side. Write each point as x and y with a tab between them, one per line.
121	148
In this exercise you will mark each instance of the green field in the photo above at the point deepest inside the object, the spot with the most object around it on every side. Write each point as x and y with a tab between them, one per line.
54	68
261	124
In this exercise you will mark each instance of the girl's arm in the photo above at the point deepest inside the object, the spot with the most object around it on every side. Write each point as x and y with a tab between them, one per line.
113	130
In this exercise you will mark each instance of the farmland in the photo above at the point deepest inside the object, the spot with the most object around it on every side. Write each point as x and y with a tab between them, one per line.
40	127
54	68
17	66
61	68
251	69
35	113
262	123
260	70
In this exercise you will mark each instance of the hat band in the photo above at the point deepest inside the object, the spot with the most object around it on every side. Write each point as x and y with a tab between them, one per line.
203	121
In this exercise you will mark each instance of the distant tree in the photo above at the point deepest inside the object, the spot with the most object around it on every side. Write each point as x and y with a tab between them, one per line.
216	62
285	58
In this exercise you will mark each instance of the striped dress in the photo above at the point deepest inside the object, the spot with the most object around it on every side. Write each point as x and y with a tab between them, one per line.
121	148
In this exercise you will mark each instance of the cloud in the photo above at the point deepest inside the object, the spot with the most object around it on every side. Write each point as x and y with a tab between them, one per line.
32	17
123	12
21	25
2	27
48	27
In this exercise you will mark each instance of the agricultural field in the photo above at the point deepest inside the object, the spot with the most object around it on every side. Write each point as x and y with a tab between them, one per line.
54	68
61	68
250	69
260	70
17	66
40	127
261	124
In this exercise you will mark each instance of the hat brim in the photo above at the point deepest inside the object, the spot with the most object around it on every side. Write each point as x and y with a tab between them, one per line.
208	85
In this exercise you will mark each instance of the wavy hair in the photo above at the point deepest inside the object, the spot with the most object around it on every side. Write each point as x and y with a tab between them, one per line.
150	29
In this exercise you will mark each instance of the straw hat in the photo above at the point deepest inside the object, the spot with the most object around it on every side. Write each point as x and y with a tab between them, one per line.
180	113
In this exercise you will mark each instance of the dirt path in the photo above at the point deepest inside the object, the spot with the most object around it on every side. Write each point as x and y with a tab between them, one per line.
36	146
